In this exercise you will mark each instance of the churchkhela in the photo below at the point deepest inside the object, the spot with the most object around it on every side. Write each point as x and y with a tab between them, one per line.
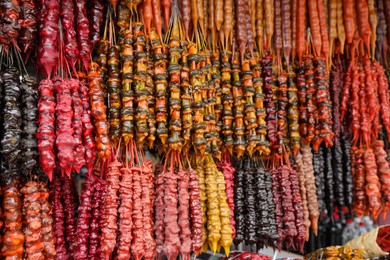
195	124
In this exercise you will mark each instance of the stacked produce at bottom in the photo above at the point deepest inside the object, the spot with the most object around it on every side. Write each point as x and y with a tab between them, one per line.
374	244
270	117
337	252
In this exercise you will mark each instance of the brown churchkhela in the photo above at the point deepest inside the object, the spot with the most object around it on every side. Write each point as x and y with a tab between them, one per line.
267	118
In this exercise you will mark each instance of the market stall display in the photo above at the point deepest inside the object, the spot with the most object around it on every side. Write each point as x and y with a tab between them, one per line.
269	119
